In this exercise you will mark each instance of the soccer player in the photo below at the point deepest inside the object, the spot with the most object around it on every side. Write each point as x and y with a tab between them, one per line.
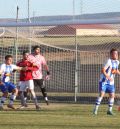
26	80
106	83
38	75
6	86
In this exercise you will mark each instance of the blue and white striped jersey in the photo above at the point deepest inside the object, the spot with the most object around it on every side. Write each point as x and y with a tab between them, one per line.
109	66
7	71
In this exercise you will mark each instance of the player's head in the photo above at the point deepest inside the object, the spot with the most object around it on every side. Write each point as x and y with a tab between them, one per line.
114	54
36	50
8	59
25	54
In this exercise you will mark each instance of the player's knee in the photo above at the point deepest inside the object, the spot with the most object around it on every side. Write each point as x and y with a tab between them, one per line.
15	91
5	94
19	92
112	95
32	91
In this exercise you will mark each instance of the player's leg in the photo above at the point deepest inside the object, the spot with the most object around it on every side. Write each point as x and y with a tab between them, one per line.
20	93
31	88
102	90
44	92
4	96
40	83
118	102
14	92
98	102
110	104
111	91
23	93
23	99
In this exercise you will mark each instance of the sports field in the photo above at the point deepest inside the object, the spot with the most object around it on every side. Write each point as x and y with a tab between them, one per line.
60	116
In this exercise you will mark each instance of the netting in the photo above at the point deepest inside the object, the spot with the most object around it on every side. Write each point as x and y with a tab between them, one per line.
75	44
75	54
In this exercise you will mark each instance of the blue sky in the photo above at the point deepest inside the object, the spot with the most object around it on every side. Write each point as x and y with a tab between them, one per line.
56	7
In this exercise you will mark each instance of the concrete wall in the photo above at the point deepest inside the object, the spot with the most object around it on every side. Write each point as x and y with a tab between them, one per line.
97	32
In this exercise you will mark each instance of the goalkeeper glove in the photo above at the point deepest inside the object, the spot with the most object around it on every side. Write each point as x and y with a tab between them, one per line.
47	77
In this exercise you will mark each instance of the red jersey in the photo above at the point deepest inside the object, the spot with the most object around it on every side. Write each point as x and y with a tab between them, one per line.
26	75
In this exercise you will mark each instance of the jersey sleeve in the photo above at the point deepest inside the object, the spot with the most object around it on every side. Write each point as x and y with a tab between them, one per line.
2	67
118	64
107	64
15	67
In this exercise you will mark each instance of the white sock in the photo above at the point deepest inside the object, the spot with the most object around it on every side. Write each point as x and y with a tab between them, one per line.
2	100
12	98
46	98
111	102
35	101
25	99
98	101
22	99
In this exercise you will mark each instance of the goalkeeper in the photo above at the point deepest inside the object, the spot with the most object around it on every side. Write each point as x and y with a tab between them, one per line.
38	75
106	84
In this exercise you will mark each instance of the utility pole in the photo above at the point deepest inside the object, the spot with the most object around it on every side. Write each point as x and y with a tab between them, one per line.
16	43
16	32
29	11
76	57
73	10
81	7
29	30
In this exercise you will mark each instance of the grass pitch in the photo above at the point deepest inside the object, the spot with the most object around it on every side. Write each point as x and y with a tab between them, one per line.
59	116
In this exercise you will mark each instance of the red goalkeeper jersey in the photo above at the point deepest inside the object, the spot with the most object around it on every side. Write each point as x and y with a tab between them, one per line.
26	75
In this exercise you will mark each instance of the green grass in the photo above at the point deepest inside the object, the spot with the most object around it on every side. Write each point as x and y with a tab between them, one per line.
60	116
80	40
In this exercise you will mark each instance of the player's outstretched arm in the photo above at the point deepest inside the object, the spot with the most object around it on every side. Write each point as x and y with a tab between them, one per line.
19	68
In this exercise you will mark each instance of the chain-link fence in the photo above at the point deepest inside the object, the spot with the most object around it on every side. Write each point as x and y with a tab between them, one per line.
75	55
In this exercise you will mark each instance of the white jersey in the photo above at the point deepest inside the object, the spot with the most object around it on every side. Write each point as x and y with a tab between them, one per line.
7	71
109	66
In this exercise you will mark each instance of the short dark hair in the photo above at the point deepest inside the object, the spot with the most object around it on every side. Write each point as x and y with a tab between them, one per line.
112	50
35	47
8	56
24	52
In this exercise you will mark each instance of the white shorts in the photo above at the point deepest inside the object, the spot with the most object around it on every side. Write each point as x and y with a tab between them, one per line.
26	84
